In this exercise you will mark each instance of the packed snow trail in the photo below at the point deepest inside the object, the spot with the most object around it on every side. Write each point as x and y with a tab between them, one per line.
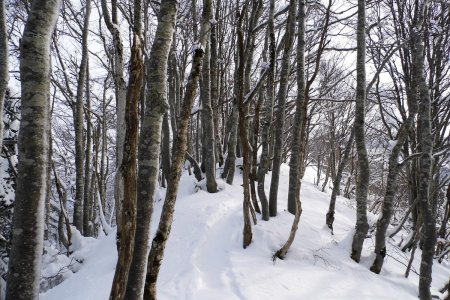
204	258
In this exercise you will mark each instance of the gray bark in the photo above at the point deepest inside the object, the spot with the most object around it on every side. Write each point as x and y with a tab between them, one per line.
391	186
162	234
87	208
79	125
362	183
112	24
27	242
150	144
297	153
281	103
337	181
4	75
208	142
267	117
214	73
425	143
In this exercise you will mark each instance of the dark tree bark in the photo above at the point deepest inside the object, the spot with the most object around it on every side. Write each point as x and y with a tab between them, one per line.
362	183
128	167
209	154
26	251
267	118
281	103
297	153
391	185
337	181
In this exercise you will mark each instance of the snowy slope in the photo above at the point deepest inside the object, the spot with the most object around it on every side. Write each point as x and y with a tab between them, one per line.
204	257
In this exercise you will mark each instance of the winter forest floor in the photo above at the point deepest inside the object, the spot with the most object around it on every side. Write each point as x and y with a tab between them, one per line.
204	258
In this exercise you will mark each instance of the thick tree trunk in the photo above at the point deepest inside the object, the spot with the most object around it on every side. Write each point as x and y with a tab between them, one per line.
27	242
362	183
208	142
150	144
425	144
281	103
128	166
162	234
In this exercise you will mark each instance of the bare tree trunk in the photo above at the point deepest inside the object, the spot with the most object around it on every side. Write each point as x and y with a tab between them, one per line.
79	125
27	242
87	208
281	103
112	24
391	185
214	73
165	155
162	234
267	118
362	183
4	74
337	181
297	158
150	144
208	141
63	219
425	144
128	166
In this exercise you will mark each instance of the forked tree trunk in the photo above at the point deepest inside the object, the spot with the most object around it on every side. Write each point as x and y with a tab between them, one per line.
297	157
362	183
150	145
281	103
267	117
33	145
128	166
162	234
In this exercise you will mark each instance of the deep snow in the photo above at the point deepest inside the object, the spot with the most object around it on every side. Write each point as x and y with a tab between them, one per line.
204	258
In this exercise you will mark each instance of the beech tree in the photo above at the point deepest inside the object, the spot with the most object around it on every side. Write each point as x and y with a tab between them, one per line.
28	236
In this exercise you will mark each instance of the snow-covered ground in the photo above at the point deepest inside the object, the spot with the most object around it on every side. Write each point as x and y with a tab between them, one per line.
204	257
